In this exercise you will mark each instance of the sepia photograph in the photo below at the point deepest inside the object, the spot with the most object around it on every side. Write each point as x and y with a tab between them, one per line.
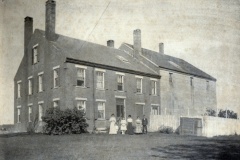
122	80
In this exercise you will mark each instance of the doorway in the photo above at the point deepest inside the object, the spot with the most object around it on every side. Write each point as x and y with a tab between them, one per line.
120	108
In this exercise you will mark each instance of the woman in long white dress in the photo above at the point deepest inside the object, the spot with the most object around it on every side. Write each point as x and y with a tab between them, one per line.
112	129
138	125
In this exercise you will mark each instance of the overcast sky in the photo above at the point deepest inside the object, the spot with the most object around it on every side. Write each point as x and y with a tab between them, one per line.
206	33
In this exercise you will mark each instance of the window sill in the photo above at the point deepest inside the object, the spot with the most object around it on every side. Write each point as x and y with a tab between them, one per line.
139	93
101	119
18	122
100	89
81	87
56	87
120	91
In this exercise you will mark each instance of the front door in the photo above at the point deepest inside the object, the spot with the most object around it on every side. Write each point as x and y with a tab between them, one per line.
120	107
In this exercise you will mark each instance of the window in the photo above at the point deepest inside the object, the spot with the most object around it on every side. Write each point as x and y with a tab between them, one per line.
139	85
191	81
40	82
100	80
56	77
30	86
18	115
55	103
35	54
120	82
170	78
207	86
40	111
81	105
19	89
155	110
30	114
80	77
153	87
101	110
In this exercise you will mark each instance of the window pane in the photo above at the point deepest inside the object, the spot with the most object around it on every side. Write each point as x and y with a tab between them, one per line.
100	80
19	90
40	88
40	112
139	85
30	86
101	110
56	77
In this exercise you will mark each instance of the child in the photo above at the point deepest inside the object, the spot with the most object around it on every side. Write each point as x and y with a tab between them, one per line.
123	125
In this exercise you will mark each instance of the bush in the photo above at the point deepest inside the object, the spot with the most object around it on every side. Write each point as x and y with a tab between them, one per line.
230	114
166	129
69	121
210	112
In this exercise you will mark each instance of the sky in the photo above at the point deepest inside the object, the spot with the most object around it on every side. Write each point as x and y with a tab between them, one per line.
206	33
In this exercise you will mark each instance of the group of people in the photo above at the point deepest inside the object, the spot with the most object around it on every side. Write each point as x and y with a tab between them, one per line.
126	126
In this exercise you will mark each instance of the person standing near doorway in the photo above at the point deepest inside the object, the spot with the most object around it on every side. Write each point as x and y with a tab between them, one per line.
144	124
112	129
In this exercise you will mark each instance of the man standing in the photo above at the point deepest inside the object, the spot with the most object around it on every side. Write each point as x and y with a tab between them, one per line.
144	123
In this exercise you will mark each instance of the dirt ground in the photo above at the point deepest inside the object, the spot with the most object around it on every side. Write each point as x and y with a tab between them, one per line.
118	147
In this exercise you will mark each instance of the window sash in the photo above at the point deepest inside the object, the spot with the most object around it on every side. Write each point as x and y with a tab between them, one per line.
19	113
81	105
100	80
120	82
155	110
154	87
30	87
56	103
19	90
30	114
80	77
139	85
40	83
40	110
56	77
101	110
35	55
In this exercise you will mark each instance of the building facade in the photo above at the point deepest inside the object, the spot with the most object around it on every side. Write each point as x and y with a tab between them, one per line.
59	71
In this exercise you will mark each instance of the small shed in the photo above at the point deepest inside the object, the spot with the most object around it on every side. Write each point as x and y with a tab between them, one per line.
191	126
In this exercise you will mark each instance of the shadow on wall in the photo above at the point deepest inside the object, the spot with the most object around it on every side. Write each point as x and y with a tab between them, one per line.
201	149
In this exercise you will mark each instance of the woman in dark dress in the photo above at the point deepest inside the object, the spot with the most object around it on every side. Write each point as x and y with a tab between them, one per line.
129	125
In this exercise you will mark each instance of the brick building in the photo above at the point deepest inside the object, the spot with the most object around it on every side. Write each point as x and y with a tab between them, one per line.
64	72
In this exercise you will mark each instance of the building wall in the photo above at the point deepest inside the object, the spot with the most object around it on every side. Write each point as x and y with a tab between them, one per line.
49	57
183	99
109	94
45	64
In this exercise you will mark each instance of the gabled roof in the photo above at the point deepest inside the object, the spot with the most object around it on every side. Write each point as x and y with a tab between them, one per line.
95	55
171	63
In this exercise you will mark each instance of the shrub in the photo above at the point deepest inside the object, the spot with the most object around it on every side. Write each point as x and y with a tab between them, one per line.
31	128
166	129
69	121
210	112
230	114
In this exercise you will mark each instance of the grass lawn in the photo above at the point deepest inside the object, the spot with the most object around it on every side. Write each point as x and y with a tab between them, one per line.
104	146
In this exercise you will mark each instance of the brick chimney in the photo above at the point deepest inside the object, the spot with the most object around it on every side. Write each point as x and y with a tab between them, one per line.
161	48
110	43
28	31
137	41
50	20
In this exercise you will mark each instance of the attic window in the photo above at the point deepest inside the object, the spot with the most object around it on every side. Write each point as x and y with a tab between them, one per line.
175	65
123	59
35	54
